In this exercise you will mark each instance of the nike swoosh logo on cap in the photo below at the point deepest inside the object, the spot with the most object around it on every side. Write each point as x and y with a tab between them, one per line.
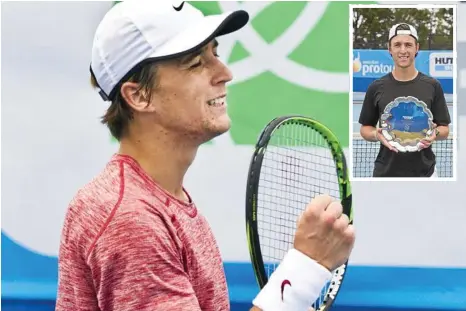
284	283
178	8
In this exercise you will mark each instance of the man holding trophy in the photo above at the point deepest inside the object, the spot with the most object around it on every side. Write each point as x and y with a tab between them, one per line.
411	110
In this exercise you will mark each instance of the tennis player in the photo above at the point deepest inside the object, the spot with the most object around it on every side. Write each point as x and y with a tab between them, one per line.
404	80
133	238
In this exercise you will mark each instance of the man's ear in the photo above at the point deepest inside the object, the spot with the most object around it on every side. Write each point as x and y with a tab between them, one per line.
136	97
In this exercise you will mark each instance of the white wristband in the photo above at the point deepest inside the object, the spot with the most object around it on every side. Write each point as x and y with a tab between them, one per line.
299	279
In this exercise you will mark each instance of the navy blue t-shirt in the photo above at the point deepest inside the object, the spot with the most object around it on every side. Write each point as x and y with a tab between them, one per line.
385	90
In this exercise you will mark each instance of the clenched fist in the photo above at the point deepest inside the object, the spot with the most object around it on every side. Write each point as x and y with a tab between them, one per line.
324	234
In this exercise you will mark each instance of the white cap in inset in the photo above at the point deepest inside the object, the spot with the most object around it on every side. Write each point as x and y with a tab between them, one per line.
134	32
394	31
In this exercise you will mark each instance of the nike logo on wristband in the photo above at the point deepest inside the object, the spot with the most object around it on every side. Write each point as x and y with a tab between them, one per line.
284	283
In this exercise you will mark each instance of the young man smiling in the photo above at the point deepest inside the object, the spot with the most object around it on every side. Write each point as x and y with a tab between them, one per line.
404	80
133	239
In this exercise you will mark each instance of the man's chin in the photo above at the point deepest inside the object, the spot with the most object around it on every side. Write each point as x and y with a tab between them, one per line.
215	129
405	64
221	125
220	128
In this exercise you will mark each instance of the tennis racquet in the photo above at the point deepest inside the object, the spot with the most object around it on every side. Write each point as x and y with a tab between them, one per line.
295	159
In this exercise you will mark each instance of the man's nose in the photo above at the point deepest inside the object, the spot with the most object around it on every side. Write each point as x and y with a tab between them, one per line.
222	73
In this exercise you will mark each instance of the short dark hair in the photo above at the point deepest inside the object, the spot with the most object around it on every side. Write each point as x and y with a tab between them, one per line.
119	113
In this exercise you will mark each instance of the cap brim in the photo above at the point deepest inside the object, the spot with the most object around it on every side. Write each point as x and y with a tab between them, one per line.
194	37
202	32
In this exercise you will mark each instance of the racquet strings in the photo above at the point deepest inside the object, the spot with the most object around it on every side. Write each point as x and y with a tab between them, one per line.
297	166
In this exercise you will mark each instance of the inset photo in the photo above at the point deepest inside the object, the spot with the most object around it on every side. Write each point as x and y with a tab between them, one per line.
403	97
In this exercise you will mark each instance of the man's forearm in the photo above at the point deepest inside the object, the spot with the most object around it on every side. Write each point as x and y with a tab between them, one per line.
307	276
443	132
369	133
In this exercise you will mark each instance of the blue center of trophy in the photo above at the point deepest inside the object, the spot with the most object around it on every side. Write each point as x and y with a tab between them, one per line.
405	122
409	117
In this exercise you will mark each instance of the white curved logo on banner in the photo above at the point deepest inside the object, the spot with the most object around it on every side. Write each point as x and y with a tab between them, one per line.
273	57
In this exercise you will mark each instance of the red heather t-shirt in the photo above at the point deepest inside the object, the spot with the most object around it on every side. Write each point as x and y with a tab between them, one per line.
127	245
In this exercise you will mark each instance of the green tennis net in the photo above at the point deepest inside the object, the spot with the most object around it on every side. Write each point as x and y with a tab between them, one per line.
365	152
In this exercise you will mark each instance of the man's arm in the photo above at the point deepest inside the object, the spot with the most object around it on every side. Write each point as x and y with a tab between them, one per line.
369	115
441	117
136	266
442	132
440	112
369	133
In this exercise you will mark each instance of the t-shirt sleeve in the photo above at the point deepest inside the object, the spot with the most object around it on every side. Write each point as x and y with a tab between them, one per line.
439	106
369	111
136	265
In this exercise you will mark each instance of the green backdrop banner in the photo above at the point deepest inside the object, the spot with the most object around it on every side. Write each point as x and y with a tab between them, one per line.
293	57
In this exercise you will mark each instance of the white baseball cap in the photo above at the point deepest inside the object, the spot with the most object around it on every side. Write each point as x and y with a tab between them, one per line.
394	31
134	32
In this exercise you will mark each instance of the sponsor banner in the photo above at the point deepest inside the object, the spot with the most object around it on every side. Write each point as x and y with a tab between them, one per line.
441	64
369	65
361	85
377	63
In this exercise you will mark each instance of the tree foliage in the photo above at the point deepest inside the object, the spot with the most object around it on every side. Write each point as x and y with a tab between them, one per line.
434	27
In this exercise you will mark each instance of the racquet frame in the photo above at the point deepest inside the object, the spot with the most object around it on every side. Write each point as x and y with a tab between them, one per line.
253	187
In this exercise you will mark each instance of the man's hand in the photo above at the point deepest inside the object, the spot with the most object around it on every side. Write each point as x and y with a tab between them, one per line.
324	233
426	142
383	140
